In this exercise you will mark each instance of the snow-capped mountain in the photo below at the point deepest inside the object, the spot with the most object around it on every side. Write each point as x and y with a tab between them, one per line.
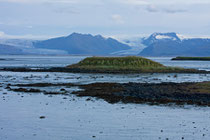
160	37
169	44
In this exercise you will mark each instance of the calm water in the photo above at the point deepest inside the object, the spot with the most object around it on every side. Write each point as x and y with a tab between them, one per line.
202	65
61	61
39	61
74	118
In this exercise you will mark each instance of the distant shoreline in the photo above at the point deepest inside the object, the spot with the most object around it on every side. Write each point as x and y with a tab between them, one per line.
192	58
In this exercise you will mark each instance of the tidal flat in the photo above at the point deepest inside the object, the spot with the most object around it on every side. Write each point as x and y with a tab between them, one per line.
39	113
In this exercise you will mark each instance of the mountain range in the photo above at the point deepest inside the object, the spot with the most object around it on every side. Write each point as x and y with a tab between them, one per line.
157	44
83	44
7	50
170	44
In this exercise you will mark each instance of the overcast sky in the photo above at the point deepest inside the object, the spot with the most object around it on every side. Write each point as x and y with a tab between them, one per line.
49	18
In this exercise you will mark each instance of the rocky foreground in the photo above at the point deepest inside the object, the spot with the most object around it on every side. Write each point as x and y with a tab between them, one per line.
163	93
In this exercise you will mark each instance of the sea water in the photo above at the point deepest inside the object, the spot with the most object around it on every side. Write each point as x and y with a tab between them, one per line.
74	118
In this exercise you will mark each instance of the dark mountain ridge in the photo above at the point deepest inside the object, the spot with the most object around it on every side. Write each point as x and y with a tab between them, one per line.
83	44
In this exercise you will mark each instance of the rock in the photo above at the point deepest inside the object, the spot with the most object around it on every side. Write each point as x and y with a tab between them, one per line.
42	117
62	89
88	99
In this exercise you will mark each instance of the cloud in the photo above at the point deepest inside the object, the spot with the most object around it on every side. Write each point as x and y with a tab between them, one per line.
61	8
25	36
15	1
152	8
117	19
65	10
21	1
155	9
163	2
172	11
134	2
29	27
39	1
54	1
2	34
96	16
63	1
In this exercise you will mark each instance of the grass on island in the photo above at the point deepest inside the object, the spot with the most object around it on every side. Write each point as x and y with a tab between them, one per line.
192	58
125	64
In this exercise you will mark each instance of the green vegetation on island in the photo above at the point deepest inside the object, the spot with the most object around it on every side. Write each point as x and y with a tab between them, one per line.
129	64
192	58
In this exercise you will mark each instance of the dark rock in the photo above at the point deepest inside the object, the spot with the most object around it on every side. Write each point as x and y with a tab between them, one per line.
42	117
26	90
163	93
62	89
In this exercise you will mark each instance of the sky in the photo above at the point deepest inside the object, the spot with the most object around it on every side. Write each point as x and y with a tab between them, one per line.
116	18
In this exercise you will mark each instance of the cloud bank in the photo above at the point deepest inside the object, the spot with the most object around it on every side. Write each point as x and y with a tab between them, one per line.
108	17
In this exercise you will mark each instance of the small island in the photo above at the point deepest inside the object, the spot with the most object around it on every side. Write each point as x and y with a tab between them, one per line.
192	58
129	64
112	65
